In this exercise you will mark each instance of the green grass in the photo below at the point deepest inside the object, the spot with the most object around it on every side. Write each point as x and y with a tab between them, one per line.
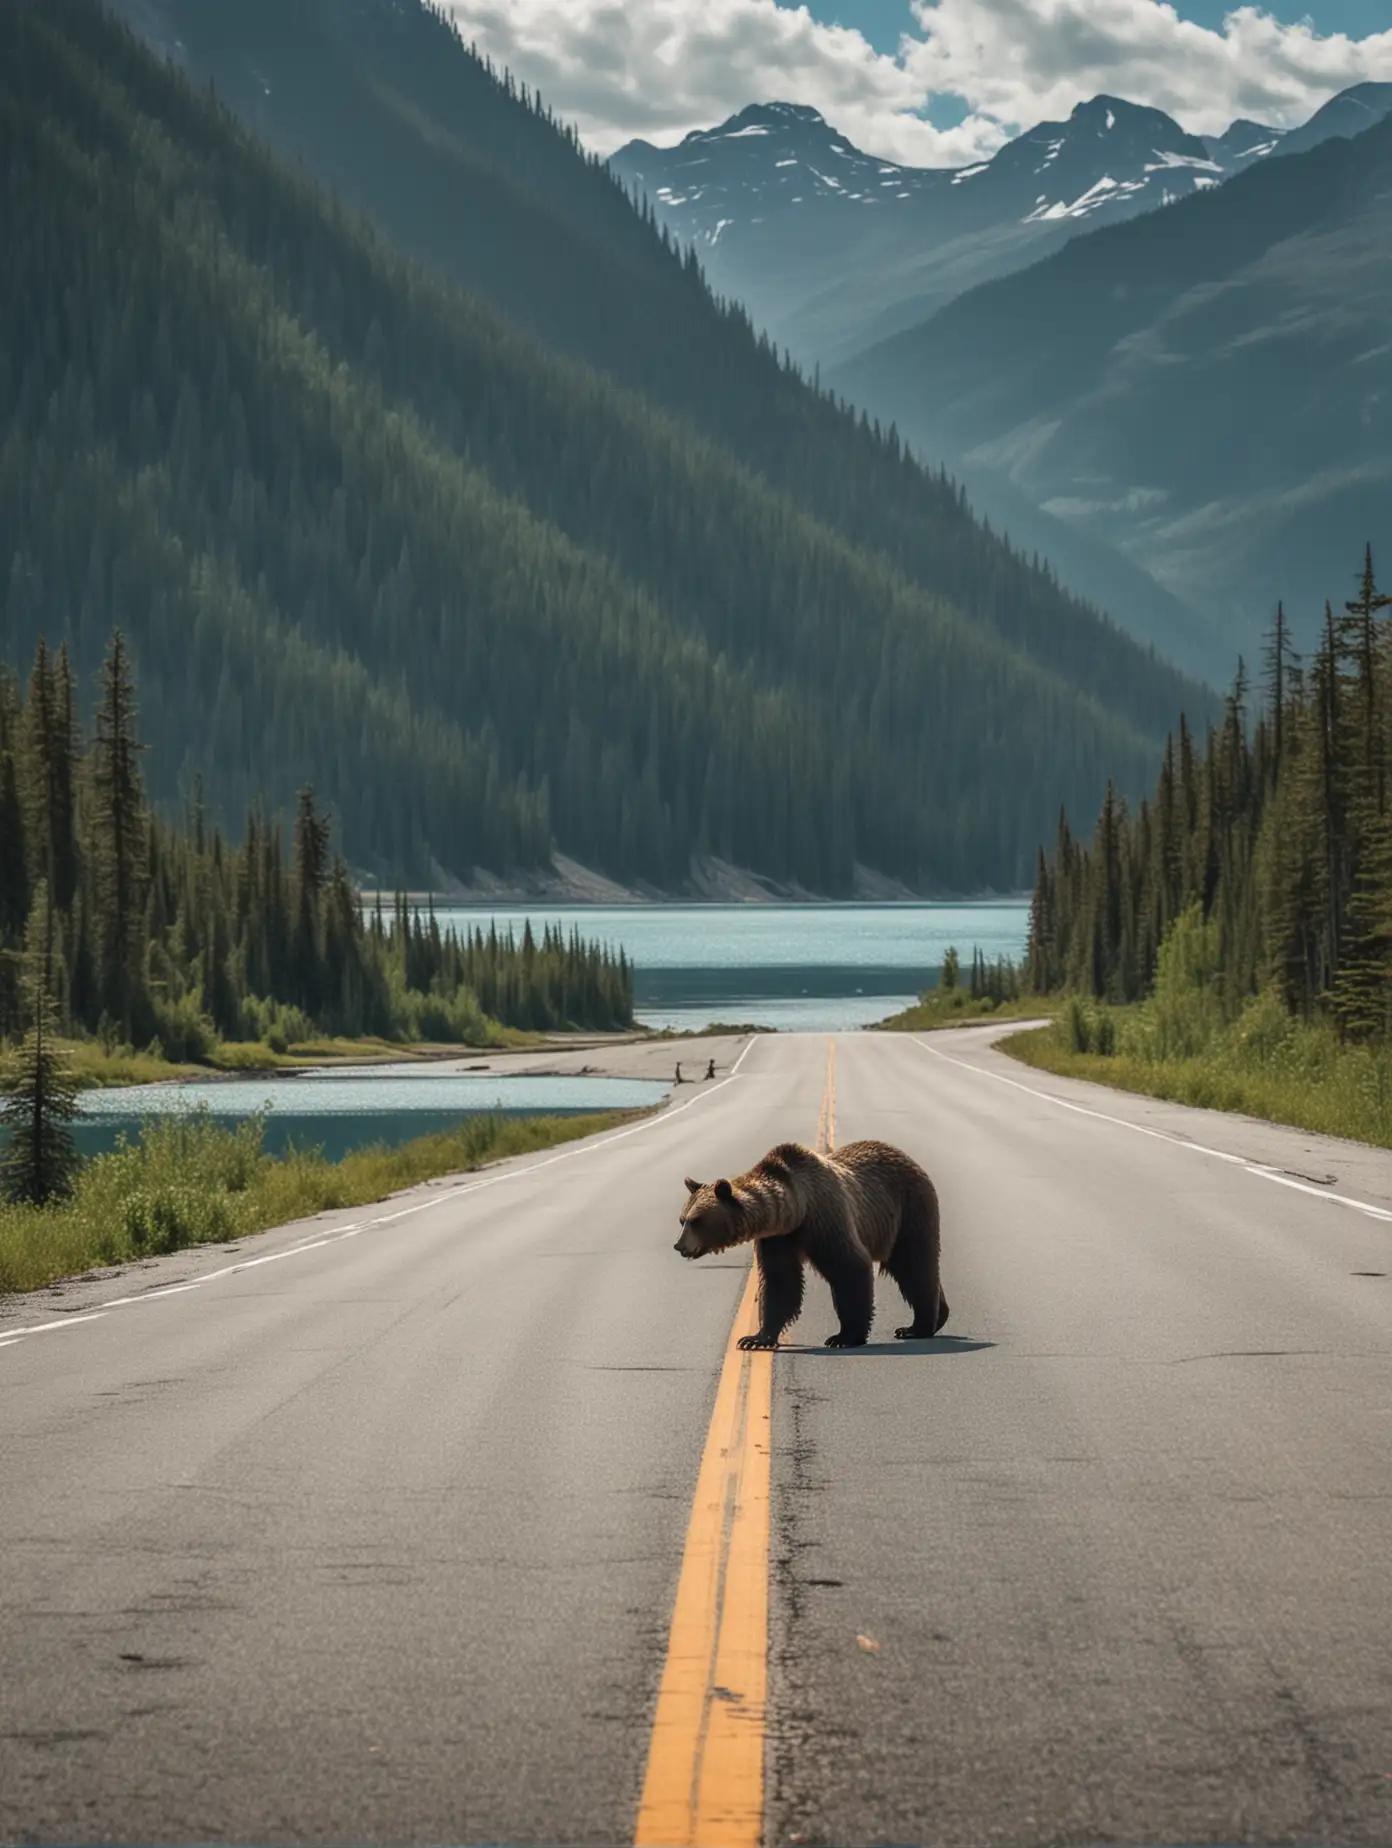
1264	1065
187	1181
96	1068
954	1007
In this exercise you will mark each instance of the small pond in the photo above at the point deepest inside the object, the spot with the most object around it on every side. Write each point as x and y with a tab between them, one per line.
339	1113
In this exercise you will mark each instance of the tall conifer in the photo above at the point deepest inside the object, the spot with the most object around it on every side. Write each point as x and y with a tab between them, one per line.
39	1159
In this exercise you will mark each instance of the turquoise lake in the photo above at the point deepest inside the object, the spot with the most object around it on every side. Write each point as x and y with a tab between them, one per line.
794	967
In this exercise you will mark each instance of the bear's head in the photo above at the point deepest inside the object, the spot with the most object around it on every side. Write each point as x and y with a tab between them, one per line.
711	1220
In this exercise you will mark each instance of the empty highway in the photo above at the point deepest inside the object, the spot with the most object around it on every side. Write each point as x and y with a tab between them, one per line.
459	1520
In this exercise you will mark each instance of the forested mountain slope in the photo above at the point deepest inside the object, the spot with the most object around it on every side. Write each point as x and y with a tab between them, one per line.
363	532
382	101
1208	387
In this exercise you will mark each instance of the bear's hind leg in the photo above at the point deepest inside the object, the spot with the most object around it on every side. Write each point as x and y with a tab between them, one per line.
913	1264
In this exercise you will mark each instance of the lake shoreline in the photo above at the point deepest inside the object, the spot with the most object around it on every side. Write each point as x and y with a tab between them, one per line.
698	970
484	899
346	1064
343	1109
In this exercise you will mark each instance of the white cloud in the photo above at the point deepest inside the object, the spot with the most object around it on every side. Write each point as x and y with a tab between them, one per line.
657	68
1026	61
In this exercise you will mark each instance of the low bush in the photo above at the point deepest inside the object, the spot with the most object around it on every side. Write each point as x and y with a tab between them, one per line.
1263	1064
187	1181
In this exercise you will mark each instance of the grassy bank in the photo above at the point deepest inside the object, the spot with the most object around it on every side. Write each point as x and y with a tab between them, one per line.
1263	1065
96	1067
954	1007
190	1182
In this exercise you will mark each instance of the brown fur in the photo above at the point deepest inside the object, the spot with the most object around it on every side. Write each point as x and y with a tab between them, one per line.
868	1204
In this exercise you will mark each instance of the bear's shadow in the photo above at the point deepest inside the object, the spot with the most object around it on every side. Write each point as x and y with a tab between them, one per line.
936	1348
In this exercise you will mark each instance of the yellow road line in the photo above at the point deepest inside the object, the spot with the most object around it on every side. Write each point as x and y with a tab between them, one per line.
705	1779
704	1786
826	1116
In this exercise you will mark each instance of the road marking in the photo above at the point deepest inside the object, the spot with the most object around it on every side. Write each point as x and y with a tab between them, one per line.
1262	1172
826	1118
704	1786
10	1337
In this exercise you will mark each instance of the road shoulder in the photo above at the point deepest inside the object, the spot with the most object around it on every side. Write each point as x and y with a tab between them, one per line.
1327	1164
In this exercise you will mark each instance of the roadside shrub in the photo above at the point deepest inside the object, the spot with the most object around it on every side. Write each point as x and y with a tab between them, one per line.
1263	1033
1184	1014
1087	1026
161	1219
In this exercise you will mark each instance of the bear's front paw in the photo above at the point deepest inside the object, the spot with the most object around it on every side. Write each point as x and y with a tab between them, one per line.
760	1342
914	1333
841	1339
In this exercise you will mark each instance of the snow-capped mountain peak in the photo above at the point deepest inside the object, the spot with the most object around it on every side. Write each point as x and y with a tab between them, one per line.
1242	143
769	157
1110	156
819	237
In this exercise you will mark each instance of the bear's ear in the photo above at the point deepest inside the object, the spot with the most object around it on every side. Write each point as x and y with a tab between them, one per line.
724	1192
692	1186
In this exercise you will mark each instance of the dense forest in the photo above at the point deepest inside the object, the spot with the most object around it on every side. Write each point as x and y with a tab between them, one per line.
384	102
361	531
1277	833
142	932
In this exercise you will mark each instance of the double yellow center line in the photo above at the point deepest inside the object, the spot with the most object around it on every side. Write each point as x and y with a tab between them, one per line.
704	1786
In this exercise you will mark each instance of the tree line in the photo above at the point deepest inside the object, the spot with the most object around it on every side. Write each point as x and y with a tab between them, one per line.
1277	831
143	931
360	530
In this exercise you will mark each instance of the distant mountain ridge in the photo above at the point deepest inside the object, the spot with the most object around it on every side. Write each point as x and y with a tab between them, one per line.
1207	389
832	248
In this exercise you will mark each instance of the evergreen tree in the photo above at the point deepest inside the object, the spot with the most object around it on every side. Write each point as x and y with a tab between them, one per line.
40	1159
1280	833
119	836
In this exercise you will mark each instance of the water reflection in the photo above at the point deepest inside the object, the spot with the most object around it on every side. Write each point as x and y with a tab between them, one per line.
339	1113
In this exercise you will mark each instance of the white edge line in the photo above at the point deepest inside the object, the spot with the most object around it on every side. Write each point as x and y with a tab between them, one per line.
46	1328
1160	1135
9	1336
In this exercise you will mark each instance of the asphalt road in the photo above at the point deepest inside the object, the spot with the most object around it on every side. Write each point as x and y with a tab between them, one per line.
375	1536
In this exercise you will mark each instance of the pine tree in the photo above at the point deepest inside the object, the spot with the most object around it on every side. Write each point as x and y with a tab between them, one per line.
1281	660
40	1160
119	810
14	877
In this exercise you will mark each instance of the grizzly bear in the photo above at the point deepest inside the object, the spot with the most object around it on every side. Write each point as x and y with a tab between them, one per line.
843	1214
